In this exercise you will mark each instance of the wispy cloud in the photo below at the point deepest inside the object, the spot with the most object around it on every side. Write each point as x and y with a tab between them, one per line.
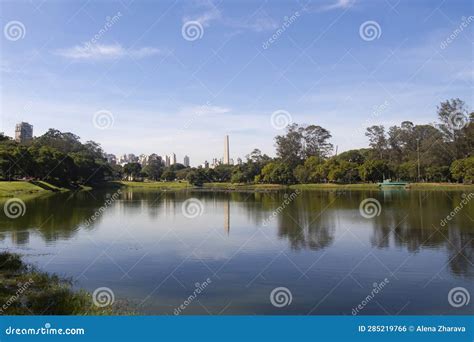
89	51
338	4
210	13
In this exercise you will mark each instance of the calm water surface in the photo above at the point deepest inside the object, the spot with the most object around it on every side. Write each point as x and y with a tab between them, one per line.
319	247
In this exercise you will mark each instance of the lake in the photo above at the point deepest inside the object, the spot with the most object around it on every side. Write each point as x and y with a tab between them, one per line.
285	252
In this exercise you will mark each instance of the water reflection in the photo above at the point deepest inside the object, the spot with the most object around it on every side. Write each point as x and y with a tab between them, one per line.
410	220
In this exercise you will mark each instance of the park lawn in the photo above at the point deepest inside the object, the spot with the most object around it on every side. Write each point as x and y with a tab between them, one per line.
18	188
155	185
227	186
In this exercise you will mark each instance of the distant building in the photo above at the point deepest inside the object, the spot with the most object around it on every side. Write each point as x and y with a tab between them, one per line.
173	159
23	132
186	161
226	150
167	161
143	159
205	164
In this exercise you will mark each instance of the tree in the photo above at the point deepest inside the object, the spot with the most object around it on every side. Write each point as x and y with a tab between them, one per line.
168	175
290	146
132	170
316	142
377	139
374	171
196	177
153	170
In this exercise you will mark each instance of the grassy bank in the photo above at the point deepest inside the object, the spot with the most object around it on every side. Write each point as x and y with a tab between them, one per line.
25	291
226	186
25	188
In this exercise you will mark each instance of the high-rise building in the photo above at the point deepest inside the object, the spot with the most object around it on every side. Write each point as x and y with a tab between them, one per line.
226	150
167	161
23	132
173	159
186	161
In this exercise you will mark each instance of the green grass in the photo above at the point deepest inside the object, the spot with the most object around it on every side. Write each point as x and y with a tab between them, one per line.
227	186
25	291
11	189
155	185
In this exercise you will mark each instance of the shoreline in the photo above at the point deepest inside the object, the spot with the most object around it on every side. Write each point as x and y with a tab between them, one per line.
26	188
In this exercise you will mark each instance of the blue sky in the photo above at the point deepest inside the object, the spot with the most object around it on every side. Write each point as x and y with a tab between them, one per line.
163	93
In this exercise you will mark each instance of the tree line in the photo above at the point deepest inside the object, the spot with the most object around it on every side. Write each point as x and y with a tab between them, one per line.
436	152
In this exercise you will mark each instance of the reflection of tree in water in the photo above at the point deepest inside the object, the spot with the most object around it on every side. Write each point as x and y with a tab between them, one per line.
413	220
56	216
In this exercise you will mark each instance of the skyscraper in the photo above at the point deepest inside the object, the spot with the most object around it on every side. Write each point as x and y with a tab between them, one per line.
167	161
173	159
23	132
186	161
226	150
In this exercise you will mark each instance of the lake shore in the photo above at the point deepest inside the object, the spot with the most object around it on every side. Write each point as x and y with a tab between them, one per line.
25	188
27	291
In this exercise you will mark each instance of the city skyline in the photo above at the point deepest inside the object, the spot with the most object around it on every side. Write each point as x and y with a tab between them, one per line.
157	88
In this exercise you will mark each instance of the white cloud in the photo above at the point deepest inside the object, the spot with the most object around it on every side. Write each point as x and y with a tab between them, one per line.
89	51
338	4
